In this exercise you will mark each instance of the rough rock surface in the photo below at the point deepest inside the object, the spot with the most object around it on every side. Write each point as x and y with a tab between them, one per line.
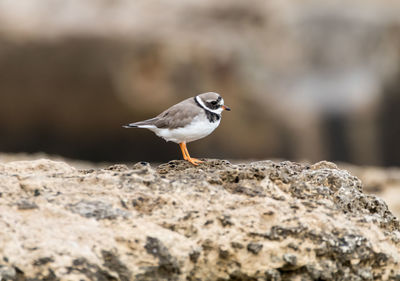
217	221
380	181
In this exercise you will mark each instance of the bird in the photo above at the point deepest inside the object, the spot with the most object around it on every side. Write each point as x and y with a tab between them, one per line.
191	119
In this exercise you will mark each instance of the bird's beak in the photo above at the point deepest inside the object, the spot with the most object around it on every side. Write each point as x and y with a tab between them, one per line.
224	107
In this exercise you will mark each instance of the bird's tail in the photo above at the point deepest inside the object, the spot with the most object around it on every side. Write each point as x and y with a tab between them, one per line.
141	124
132	125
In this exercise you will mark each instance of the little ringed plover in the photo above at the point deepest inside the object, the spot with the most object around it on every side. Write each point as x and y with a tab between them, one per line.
187	121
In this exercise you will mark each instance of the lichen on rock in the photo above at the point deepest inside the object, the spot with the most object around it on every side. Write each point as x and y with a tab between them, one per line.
217	221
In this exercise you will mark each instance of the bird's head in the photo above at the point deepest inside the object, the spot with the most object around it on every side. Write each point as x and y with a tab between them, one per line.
212	102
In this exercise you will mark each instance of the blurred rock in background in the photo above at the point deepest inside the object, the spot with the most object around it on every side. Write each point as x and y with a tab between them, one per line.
306	80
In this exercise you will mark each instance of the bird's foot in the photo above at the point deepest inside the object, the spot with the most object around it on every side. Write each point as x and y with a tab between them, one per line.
194	161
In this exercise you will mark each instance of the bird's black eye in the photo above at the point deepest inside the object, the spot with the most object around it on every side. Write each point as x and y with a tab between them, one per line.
214	102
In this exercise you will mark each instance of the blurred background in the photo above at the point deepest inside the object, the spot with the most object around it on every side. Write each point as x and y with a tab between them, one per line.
307	80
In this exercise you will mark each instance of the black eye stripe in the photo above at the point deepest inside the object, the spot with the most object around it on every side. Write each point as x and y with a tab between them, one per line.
215	102
212	105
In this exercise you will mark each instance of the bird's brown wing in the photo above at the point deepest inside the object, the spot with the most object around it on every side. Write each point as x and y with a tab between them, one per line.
178	116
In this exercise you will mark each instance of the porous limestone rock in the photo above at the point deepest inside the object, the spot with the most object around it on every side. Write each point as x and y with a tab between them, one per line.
216	221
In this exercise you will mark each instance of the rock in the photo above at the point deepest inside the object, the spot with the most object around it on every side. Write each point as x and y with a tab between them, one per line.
384	182
26	205
97	209
290	260
7	273
217	221
254	248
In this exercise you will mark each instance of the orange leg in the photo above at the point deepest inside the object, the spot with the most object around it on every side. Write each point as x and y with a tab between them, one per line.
186	155
183	149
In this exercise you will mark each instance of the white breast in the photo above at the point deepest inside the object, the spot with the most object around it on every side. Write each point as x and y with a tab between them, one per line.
199	128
